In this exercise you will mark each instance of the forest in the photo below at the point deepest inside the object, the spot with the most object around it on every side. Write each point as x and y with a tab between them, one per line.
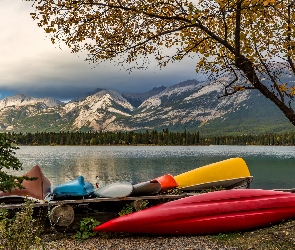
162	138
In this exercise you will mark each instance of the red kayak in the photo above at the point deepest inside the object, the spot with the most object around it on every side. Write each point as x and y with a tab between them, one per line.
209	213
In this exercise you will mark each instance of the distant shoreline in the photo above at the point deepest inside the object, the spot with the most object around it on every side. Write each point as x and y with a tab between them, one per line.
154	145
150	138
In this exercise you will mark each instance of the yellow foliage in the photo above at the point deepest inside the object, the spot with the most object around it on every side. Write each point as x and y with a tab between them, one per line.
225	34
292	91
238	88
267	2
283	87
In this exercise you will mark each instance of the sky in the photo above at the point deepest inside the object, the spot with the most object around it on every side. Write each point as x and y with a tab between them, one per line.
30	64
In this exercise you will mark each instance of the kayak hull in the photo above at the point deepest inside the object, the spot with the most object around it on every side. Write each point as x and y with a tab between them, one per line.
210	213
115	190
167	181
232	168
226	184
74	189
36	189
146	188
154	186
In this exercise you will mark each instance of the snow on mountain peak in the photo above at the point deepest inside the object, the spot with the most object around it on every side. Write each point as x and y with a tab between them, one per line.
101	106
23	100
186	105
177	90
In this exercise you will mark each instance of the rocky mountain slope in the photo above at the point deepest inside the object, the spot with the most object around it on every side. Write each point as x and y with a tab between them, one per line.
190	105
22	100
136	99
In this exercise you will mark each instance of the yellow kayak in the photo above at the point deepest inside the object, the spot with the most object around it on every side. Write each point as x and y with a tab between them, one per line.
230	172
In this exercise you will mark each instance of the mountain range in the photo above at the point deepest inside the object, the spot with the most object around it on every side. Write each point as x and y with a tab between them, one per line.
190	105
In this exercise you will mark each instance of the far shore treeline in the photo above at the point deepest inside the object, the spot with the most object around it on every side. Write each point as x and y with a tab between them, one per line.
164	137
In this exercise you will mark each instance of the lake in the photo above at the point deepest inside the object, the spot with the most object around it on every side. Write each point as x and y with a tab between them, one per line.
273	167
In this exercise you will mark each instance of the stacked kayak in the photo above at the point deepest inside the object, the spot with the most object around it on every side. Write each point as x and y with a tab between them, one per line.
209	213
36	189
154	186
118	189
146	188
167	181
227	174
75	189
80	189
122	189
230	173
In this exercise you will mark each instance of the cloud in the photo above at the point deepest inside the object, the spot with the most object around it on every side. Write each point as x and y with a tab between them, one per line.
31	65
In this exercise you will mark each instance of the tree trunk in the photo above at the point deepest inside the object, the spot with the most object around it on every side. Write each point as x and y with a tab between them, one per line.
247	67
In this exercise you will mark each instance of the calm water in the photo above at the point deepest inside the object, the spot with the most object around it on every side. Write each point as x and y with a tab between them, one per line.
272	167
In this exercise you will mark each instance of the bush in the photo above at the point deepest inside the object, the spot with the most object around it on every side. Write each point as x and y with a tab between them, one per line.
86	229
19	230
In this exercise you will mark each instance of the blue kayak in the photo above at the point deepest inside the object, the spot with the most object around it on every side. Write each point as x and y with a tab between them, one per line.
75	189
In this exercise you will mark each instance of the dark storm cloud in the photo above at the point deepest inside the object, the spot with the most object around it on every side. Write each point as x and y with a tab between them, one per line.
31	65
81	79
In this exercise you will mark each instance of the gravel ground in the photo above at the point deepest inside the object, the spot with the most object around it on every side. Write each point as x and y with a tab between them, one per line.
277	237
136	243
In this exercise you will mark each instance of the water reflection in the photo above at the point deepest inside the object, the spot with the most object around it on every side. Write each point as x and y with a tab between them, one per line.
272	167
